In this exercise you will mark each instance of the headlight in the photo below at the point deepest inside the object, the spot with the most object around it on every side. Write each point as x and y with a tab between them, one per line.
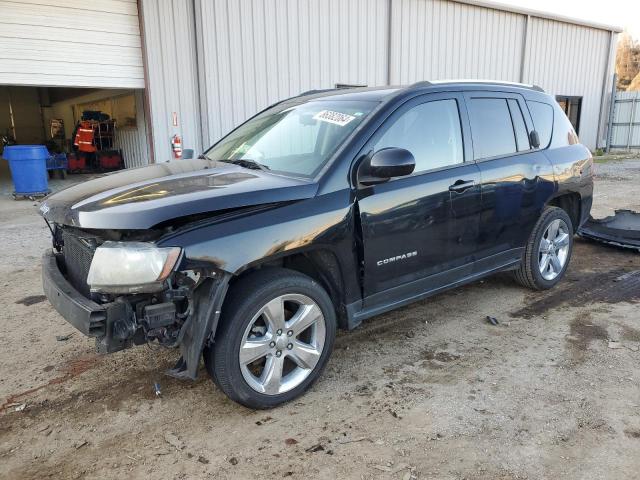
130	267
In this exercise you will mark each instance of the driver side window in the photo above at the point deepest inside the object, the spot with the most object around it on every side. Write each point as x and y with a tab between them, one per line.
430	131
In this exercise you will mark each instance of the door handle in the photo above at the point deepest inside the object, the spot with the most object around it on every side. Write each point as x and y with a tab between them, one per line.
461	185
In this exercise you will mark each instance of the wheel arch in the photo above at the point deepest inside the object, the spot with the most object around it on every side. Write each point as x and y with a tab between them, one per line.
320	264
571	203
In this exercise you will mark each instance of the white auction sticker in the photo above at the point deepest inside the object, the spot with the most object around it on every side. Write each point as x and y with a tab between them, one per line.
336	118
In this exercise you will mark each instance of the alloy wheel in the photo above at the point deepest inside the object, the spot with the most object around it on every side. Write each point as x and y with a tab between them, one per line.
282	344
553	251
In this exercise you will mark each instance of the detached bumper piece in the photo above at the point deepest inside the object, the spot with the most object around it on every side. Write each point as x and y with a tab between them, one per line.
92	319
620	230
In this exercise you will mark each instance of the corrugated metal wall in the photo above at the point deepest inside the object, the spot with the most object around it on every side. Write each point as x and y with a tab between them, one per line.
253	53
172	74
134	141
436	39
625	129
243	55
569	60
81	43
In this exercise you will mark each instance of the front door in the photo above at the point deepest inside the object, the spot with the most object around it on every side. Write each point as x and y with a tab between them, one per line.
425	224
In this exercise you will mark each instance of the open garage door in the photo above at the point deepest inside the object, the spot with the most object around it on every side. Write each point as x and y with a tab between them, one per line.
71	43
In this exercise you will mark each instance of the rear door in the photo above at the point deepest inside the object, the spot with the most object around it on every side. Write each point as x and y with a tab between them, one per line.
425	224
516	179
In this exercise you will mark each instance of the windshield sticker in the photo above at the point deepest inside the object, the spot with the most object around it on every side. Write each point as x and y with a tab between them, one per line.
336	118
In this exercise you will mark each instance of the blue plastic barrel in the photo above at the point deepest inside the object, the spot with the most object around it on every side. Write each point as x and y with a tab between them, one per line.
28	164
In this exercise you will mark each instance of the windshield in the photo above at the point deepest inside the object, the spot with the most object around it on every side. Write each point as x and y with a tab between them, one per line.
296	140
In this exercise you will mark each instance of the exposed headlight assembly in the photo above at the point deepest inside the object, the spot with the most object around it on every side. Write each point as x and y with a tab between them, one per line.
131	267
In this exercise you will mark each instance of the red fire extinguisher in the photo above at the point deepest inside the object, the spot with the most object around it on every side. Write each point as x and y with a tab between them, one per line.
176	146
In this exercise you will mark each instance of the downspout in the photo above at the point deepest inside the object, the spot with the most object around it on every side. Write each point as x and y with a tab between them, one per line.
605	79
389	25
525	42
197	26
146	96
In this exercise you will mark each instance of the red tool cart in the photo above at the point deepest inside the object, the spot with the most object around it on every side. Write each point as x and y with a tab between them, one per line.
94	144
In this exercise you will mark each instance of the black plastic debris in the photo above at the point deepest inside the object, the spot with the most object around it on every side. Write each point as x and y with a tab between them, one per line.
492	320
620	230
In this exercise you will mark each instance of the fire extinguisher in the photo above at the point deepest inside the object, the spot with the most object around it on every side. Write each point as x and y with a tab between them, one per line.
176	146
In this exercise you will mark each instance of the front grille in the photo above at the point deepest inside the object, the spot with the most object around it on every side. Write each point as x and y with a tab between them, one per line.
78	252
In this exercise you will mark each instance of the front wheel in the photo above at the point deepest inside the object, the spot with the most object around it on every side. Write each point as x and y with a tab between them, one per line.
276	334
548	250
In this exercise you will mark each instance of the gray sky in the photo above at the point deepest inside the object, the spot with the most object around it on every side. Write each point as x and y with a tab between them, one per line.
623	13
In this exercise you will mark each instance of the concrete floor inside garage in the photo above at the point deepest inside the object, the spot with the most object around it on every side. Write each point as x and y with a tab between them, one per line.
431	391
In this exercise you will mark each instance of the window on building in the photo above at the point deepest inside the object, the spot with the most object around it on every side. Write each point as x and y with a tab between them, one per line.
491	127
519	127
542	115
430	131
571	106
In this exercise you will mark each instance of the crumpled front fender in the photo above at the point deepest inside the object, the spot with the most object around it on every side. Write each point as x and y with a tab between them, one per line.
201	324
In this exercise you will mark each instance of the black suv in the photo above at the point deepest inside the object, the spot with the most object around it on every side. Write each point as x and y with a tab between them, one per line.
319	212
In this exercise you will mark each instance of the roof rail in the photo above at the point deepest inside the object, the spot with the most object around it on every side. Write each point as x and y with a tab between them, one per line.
426	83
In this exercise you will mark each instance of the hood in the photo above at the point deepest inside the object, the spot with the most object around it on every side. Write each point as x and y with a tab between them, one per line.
141	198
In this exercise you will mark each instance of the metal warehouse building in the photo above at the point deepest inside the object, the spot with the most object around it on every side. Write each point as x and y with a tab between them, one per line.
197	68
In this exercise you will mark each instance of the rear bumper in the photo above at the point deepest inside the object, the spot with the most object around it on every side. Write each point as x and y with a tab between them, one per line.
91	318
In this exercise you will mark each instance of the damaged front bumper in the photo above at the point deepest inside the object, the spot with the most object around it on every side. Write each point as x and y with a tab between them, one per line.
91	318
116	325
620	230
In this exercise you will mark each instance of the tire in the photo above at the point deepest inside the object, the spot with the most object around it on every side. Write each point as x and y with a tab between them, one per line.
530	273
244	327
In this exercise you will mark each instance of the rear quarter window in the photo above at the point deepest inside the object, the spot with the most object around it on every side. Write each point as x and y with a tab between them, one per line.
542	115
563	132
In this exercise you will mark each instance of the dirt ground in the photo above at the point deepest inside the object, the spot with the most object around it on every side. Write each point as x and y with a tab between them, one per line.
431	391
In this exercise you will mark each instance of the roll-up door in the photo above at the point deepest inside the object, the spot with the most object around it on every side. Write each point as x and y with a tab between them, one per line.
75	43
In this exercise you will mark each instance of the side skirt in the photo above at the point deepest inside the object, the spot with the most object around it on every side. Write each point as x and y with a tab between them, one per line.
402	295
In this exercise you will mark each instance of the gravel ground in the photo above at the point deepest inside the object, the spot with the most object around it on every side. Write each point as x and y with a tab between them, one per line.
431	391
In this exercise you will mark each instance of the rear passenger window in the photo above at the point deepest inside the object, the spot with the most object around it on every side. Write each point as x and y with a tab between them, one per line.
491	127
430	131
542	115
519	127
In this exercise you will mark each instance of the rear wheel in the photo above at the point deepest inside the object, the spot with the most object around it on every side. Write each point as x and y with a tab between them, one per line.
548	250
276	334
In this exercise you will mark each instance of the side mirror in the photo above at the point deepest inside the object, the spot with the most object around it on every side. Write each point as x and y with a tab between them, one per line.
534	139
386	164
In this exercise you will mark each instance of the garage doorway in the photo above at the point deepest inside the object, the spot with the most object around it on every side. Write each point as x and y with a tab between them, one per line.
89	130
